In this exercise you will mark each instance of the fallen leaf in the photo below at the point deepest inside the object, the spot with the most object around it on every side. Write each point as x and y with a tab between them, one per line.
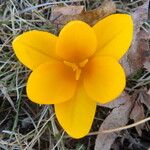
137	114
148	92
147	65
63	14
67	10
144	98
132	61
146	61
59	11
117	118
145	35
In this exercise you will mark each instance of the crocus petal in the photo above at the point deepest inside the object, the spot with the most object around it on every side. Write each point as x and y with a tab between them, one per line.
114	34
104	79
35	47
77	41
77	114
51	83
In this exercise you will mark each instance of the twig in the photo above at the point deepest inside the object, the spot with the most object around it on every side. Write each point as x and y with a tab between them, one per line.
121	128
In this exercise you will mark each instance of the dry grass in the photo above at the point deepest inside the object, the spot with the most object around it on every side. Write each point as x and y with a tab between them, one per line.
24	125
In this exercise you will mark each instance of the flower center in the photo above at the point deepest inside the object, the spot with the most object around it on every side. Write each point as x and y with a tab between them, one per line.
76	67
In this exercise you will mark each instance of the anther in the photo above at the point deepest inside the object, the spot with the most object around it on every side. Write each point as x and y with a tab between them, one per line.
83	63
76	68
78	73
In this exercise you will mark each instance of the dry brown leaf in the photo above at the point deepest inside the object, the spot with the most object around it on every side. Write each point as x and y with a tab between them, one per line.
132	61
117	102
147	65
148	92
62	15
60	11
137	114
145	98
146	61
118	117
67	10
145	35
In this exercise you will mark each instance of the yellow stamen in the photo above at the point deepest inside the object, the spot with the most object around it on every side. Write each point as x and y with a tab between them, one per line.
76	68
78	73
72	65
83	63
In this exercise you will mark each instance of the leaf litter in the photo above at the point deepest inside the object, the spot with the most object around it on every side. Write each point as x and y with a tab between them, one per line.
118	117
